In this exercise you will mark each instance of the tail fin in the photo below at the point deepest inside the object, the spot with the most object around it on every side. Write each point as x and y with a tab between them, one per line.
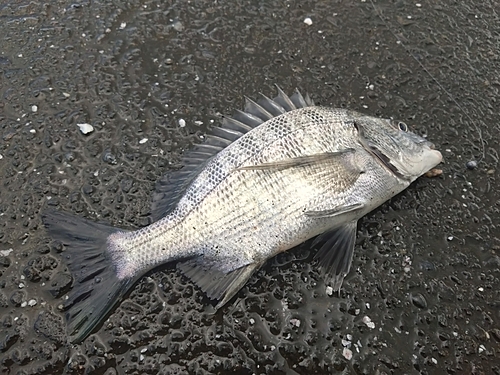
96	288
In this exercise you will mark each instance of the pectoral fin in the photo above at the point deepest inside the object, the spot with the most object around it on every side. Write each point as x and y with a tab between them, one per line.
303	161
336	211
215	283
336	251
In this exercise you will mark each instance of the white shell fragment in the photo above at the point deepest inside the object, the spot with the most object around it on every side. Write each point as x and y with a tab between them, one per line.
368	322
86	128
308	21
5	253
295	322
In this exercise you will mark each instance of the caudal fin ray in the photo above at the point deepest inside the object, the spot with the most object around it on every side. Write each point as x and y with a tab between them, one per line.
96	287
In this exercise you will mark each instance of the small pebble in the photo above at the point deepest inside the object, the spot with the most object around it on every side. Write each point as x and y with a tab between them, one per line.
419	300
109	157
178	26
347	353
472	164
308	21
34	108
182	123
329	290
32	302
143	140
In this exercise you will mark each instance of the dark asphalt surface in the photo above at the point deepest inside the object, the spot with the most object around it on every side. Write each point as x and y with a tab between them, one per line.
151	77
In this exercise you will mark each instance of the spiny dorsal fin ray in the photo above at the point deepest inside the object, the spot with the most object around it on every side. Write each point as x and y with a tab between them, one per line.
284	100
233	124
247	118
308	100
230	134
257	110
271	106
299	101
171	187
336	251
217	141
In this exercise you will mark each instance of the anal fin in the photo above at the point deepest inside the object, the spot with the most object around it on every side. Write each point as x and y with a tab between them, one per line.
217	284
336	252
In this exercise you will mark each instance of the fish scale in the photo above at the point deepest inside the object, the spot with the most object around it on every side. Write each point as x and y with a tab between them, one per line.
274	175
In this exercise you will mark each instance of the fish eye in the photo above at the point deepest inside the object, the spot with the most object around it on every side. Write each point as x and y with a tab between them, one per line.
402	126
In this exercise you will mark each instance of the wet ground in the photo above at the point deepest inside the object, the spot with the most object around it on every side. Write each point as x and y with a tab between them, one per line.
151	77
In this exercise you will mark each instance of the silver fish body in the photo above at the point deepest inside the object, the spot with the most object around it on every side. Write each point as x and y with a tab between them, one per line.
279	173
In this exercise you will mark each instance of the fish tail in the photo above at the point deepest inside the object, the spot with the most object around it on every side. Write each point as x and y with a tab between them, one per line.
96	286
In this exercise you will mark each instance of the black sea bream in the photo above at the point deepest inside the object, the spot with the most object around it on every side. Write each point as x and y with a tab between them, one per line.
274	175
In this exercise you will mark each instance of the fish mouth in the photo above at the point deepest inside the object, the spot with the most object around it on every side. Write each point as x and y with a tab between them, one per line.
384	160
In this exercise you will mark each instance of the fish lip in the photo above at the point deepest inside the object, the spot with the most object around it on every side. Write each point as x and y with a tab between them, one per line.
428	144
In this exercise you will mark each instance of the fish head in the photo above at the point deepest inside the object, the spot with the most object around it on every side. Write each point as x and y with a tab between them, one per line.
405	154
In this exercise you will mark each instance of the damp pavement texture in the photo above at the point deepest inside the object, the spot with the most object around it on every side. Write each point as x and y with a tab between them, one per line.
147	79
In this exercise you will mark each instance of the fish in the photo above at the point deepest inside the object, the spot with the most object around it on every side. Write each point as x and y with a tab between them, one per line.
270	177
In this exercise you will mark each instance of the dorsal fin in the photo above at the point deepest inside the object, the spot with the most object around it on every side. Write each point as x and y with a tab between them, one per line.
171	187
299	101
257	109
284	100
271	106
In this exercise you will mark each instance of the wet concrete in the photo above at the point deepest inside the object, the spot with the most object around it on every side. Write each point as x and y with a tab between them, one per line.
423	294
